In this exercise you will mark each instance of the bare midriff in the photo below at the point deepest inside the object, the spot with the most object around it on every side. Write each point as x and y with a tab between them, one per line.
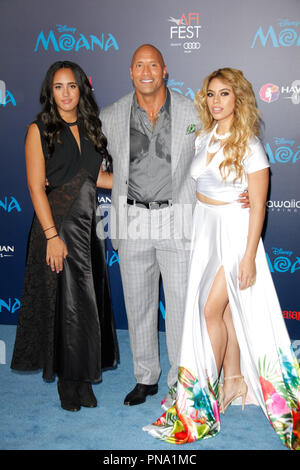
208	200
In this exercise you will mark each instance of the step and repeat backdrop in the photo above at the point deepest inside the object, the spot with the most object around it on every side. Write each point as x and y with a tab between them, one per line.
262	38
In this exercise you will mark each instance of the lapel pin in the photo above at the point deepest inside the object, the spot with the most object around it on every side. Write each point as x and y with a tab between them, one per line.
191	128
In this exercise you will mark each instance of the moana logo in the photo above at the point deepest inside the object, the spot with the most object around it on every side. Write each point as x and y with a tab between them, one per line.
283	261
6	96
9	204
66	39
286	37
11	305
285	151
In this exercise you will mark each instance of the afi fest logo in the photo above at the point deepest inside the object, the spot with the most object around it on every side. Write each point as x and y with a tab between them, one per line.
186	32
66	39
270	92
286	34
285	151
6	97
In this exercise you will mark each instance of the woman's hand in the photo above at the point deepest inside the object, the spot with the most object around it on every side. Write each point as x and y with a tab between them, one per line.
56	252
247	272
258	188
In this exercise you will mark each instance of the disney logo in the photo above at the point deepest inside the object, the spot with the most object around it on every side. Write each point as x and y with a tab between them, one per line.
280	251
61	28
281	140
174	85
172	82
286	22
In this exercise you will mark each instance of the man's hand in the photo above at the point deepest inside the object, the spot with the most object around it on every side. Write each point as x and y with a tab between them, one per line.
244	199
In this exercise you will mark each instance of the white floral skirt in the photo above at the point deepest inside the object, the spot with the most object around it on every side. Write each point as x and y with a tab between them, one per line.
268	362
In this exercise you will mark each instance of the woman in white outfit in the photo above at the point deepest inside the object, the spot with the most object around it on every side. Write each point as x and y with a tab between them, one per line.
233	326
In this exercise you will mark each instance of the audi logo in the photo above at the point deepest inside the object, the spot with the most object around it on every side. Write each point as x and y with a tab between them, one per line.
191	45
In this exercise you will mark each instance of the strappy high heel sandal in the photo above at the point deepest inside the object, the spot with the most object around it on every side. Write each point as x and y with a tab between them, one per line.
242	392
221	398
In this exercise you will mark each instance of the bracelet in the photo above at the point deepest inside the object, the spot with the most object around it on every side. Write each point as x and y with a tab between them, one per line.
48	228
52	237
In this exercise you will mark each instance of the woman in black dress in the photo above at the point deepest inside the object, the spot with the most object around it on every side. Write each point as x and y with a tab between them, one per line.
66	324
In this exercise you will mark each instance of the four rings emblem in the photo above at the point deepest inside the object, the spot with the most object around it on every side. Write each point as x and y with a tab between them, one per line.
191	45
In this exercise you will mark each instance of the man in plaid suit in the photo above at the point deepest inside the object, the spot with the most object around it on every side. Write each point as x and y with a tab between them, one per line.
151	135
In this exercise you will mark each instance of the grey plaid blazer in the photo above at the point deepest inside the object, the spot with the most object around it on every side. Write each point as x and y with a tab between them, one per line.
116	127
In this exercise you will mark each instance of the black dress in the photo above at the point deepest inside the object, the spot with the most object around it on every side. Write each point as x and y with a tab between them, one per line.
66	325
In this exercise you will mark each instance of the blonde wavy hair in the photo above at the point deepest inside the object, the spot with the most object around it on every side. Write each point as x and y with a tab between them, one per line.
245	124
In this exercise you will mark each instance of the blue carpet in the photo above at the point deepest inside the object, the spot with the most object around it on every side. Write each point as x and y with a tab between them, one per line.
31	417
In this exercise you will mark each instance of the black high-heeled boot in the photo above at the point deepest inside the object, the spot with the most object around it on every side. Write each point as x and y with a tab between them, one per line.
68	394
86	395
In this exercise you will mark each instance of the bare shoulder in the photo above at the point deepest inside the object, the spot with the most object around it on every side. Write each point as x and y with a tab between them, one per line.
33	131
33	140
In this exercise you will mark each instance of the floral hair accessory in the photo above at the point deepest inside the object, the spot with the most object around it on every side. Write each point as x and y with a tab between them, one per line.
191	128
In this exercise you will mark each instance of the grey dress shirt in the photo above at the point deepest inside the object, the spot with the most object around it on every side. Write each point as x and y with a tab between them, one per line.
150	175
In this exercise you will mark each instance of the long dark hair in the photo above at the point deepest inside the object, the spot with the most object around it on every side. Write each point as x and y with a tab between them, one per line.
88	111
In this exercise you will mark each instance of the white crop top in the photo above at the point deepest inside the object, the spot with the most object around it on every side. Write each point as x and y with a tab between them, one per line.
208	177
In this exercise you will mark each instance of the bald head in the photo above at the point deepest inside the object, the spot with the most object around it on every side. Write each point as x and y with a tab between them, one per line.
148	72
147	48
